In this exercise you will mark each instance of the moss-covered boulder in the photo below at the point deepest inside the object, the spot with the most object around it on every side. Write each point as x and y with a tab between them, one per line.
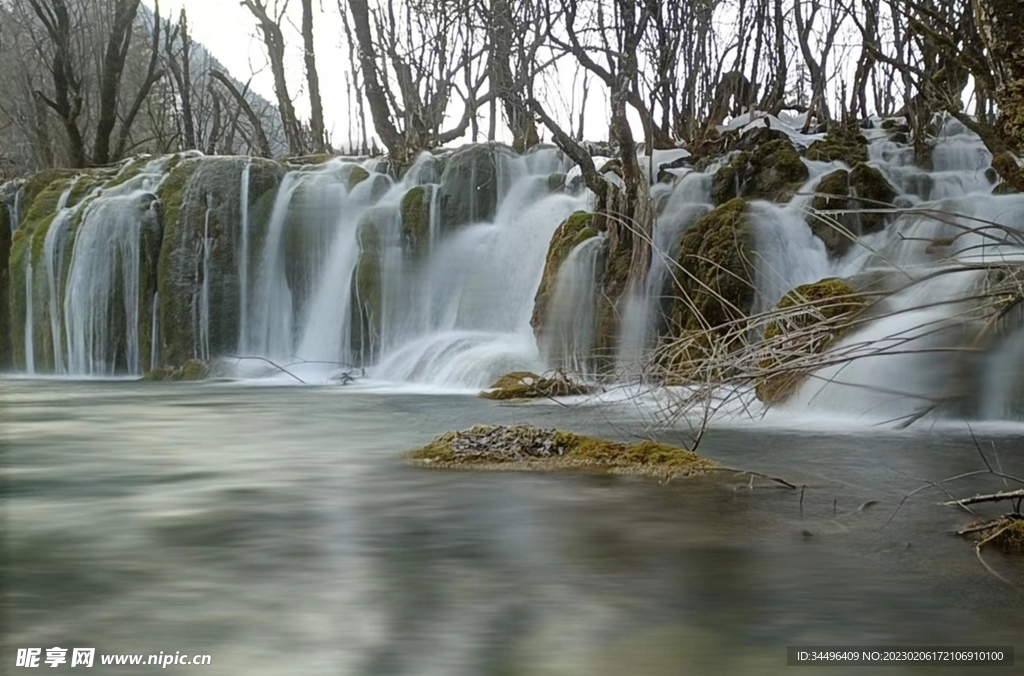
714	283
471	184
573	231
556	182
845	206
805	323
772	171
521	448
840	145
367	299
729	180
201	215
415	210
356	175
526	385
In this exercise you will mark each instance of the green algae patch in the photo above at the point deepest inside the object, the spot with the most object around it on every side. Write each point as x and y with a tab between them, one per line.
527	448
526	385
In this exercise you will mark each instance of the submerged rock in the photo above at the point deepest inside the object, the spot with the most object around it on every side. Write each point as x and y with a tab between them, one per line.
853	198
526	385
806	322
522	447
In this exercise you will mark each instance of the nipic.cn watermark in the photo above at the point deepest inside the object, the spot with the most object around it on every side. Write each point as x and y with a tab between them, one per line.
86	657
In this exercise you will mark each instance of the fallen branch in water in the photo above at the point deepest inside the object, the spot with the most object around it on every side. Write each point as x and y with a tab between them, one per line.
991	497
264	359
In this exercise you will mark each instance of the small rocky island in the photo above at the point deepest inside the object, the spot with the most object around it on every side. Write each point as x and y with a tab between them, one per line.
527	448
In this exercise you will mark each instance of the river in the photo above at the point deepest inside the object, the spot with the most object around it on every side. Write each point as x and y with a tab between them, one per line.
276	529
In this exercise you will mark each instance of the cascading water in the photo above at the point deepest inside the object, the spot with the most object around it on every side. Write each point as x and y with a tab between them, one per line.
243	261
570	333
54	249
30	348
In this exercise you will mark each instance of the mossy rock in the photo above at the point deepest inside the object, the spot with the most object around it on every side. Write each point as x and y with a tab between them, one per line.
728	180
778	171
806	322
556	183
201	198
366	296
525	448
415	210
772	171
356	176
849	193
471	184
571	232
840	145
526	385
715	283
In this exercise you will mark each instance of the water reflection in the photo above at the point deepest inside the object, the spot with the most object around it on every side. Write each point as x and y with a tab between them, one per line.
276	530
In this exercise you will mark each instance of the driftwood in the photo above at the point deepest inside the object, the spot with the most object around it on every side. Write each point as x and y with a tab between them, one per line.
991	497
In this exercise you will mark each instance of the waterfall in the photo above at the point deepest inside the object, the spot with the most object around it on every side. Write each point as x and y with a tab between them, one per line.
243	261
154	339
204	294
569	338
101	303
30	349
54	249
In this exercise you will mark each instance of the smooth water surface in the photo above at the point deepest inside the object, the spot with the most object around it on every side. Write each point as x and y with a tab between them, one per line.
277	530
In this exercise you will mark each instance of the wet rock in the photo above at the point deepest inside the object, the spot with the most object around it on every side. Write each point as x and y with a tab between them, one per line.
415	210
805	322
471	184
570	233
366	295
853	196
772	171
714	285
840	145
526	385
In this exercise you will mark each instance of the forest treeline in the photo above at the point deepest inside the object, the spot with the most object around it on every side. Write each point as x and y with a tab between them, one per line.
90	82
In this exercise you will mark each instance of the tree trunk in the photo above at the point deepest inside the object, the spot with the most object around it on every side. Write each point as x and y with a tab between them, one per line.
316	122
118	42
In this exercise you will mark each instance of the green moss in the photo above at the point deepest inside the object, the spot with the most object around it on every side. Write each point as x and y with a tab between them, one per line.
39	181
573	231
526	385
805	322
356	176
522	448
172	189
130	171
840	145
415	209
714	285
556	183
777	170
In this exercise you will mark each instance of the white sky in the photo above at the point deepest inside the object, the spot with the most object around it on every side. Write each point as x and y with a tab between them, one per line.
229	33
